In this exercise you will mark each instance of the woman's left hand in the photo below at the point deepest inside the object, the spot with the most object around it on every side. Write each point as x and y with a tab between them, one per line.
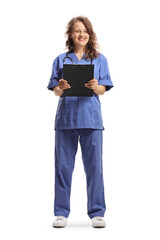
92	84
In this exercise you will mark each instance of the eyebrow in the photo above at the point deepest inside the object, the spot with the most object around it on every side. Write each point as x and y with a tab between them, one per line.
80	29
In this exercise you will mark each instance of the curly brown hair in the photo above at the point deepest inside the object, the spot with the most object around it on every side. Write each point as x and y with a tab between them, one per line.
91	49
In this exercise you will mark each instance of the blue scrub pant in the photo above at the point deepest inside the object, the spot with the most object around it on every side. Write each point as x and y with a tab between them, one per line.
66	143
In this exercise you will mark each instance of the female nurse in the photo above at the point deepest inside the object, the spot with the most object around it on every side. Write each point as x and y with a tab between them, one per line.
79	119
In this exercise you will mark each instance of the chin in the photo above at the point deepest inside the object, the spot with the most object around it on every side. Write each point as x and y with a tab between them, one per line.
82	44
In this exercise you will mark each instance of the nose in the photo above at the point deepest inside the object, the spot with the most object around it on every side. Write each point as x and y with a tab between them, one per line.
82	34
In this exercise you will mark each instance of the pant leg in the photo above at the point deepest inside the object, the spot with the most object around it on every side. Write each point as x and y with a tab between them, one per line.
91	146
66	142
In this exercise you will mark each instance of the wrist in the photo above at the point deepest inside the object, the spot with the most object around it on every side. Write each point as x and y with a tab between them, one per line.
58	91
96	90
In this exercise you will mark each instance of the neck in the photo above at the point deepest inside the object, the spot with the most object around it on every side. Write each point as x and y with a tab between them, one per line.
79	50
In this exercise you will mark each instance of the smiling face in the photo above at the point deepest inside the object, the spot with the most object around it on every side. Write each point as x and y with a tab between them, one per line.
79	35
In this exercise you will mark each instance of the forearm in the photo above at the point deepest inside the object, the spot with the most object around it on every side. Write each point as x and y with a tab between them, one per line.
58	91
100	90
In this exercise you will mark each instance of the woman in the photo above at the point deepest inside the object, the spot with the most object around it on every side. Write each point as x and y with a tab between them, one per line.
79	118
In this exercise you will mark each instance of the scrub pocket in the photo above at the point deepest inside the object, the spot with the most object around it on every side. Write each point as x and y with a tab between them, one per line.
96	112
61	114
72	106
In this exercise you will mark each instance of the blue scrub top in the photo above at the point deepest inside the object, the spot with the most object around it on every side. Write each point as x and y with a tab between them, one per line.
80	112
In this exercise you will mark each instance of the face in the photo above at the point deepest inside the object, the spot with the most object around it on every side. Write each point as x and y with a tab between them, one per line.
79	34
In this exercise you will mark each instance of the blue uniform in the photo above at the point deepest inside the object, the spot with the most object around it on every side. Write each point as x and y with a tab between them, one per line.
79	119
80	112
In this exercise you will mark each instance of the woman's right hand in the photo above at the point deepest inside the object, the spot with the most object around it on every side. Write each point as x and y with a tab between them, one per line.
63	84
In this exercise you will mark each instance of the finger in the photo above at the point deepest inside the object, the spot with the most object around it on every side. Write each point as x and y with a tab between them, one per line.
92	84
93	80
66	87
63	81
88	86
92	87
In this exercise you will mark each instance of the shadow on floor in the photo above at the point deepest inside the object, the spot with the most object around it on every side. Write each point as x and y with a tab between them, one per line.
79	225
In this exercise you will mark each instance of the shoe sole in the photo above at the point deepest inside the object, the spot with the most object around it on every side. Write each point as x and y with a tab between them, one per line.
98	226
58	226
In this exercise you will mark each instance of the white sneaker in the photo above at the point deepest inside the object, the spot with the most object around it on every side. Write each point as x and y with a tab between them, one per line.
60	222
98	222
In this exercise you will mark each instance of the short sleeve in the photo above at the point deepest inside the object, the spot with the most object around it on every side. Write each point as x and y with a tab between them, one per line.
53	82
104	74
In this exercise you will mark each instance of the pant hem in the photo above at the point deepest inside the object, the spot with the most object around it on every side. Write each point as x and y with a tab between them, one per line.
96	214
61	214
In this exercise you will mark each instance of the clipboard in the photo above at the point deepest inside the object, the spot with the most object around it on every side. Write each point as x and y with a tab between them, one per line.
77	75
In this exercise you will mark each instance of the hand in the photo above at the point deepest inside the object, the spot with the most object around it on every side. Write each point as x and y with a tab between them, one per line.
92	84
63	84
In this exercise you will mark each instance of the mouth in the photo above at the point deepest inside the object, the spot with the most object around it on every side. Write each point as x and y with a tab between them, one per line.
81	39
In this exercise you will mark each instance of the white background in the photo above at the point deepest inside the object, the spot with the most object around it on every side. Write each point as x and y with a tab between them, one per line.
32	35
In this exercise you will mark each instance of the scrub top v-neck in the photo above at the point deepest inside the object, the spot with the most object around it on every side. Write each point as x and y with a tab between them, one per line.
78	60
80	112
